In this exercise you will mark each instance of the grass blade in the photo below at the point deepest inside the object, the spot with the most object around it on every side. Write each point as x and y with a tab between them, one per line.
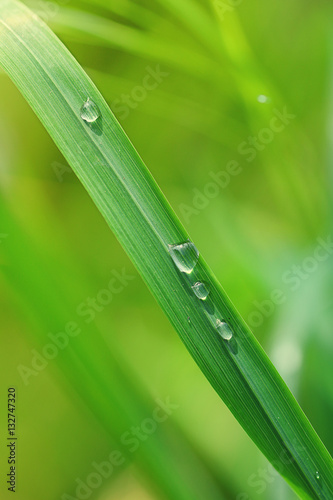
99	375
133	40
130	201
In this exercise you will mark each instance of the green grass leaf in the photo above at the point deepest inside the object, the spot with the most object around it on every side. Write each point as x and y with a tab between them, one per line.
114	175
135	41
98	374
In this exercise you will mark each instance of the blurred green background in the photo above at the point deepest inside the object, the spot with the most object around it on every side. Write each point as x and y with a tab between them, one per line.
229	103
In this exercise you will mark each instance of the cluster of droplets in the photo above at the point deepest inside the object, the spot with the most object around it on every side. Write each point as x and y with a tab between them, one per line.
185	256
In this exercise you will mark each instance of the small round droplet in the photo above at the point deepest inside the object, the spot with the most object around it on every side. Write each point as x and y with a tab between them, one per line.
224	330
317	476
201	290
89	111
263	98
185	256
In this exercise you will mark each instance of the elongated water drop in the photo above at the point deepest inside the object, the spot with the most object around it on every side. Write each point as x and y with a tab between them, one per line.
201	290
224	330
317	476
185	256
89	111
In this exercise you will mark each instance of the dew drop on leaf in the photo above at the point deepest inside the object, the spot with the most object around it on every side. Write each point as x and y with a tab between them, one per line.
201	290
185	256
89	111
224	330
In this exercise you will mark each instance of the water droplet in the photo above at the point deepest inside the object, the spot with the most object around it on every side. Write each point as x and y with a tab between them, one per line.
89	111
263	99
224	330
185	256
317	476
201	290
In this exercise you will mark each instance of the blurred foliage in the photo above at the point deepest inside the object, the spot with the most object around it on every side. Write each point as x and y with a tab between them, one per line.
216	61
